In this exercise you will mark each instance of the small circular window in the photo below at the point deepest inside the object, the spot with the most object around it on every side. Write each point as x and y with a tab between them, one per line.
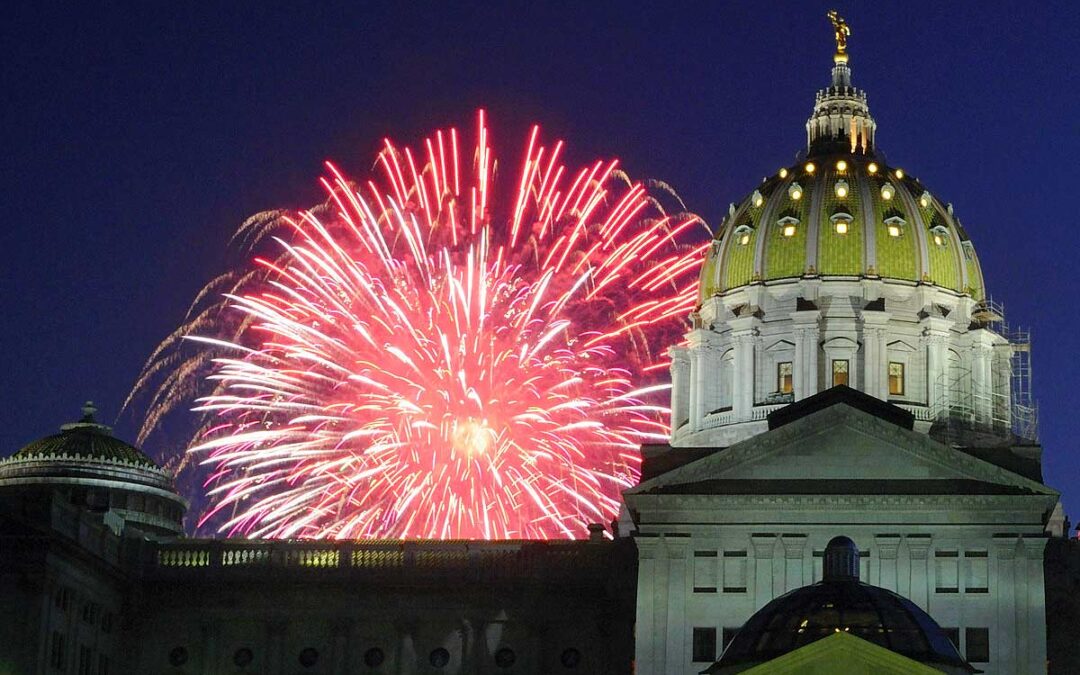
178	656
243	657
439	657
374	657
570	658
309	656
505	657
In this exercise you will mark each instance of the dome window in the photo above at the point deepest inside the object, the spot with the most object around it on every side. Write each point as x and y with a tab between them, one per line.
841	188
894	225
742	234
810	167
788	226
872	167
887	191
783	173
940	236
757	199
841	166
795	191
924	199
841	221
899	173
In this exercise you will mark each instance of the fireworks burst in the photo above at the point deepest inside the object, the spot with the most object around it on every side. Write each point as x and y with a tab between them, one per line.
415	359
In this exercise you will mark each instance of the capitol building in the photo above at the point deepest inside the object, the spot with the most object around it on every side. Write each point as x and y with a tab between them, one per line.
852	483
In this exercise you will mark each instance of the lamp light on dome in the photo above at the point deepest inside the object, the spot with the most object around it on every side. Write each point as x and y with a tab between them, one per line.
887	191
841	188
795	191
841	165
841	227
872	167
939	240
924	199
757	199
783	173
899	173
810	168
894	230
789	230
744	239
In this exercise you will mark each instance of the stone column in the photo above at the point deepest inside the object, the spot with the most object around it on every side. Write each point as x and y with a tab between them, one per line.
677	588
982	387
680	387
764	545
935	333
744	337
876	353
647	635
794	549
887	547
919	548
806	352
699	376
1003	589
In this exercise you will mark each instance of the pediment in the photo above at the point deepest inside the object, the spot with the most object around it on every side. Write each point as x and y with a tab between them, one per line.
839	443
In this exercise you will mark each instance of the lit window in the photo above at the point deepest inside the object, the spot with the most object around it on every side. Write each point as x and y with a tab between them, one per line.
704	645
783	173
896	378
871	167
742	235
978	644
757	199
784	377
899	173
795	191
841	188
924	199
887	191
894	230
810	167
841	227
839	372
744	239
789	230
841	166
940	236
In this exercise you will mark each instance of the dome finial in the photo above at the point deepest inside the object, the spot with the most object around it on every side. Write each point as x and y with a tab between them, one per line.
843	32
88	411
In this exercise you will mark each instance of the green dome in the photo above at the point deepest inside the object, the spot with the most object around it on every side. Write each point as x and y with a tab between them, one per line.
842	215
85	439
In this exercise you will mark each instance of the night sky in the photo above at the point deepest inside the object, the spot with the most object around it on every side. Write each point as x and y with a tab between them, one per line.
137	137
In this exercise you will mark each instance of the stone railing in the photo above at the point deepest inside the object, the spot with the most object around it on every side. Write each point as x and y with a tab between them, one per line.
416	559
921	412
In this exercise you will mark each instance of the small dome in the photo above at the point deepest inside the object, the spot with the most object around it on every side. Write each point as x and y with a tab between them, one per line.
93	469
85	439
840	603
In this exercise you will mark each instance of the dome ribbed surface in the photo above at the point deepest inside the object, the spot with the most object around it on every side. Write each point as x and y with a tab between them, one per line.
817	611
87	441
894	228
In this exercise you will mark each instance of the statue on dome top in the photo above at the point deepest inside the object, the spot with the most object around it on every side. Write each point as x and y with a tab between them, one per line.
843	31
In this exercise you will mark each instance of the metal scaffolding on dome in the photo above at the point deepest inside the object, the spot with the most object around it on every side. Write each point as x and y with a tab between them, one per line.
969	410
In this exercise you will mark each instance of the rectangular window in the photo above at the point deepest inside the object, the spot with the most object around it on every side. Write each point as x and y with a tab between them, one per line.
784	382
86	659
978	644
704	571
947	572
976	572
734	571
56	655
896	378
839	372
704	645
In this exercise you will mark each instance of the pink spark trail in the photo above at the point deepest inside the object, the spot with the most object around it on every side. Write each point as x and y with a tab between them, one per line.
429	357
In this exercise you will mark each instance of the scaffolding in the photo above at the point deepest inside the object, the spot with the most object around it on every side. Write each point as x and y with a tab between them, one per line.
988	409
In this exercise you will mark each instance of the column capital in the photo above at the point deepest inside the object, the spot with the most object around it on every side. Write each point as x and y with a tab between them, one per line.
764	545
887	546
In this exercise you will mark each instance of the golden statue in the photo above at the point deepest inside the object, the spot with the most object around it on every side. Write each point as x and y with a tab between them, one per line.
842	31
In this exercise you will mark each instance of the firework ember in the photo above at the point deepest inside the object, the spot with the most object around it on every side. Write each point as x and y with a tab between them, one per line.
420	359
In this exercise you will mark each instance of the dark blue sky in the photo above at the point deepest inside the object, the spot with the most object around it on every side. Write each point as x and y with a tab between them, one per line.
136	137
